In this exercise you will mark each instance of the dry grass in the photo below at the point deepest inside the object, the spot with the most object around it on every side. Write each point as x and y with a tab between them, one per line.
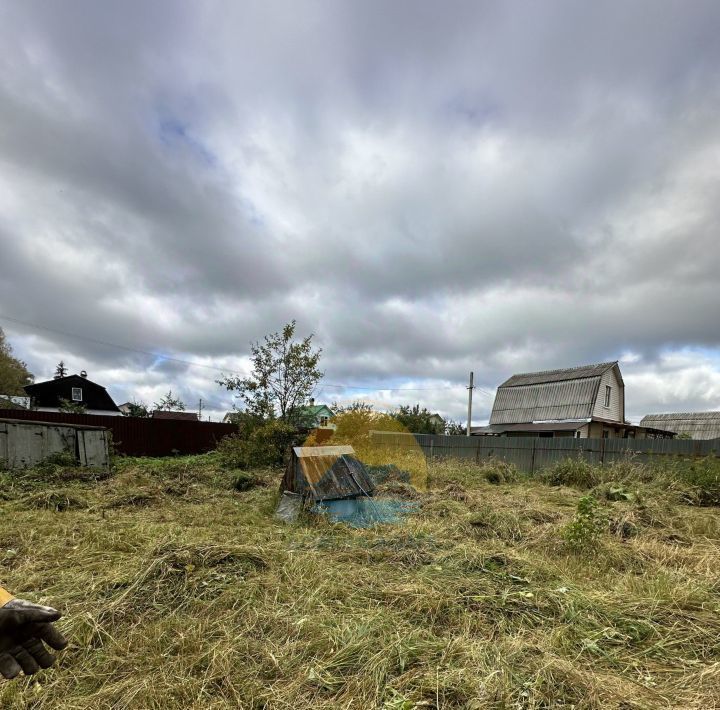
182	592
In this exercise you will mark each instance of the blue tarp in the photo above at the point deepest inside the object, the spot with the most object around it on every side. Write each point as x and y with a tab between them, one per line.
366	512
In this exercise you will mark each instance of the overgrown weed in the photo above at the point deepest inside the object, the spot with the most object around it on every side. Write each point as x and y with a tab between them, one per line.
181	591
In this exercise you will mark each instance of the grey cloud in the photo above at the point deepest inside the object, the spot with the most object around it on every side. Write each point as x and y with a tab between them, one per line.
430	187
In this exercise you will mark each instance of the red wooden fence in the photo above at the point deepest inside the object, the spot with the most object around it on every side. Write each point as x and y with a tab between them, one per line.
137	436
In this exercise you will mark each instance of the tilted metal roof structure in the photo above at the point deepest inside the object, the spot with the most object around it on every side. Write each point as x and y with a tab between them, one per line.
550	395
326	473
698	425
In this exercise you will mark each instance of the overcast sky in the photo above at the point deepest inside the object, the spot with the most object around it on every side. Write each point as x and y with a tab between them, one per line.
429	187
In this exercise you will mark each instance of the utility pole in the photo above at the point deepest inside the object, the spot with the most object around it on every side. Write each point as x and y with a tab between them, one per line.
470	388
200	409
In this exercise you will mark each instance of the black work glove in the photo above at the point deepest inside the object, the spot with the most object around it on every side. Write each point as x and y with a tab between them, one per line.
23	628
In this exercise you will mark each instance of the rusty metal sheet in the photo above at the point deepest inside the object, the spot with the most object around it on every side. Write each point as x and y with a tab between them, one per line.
327	473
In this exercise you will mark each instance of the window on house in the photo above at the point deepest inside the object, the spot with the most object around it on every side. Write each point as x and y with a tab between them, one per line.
323	421
77	394
608	391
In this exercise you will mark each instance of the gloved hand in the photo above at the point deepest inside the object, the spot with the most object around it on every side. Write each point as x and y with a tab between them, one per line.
23	628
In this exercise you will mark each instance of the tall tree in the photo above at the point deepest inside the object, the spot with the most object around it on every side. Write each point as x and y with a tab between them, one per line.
285	372
60	370
14	374
454	428
418	421
170	403
137	409
71	407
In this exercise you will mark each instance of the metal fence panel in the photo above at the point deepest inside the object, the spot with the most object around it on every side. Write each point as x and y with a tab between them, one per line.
137	436
532	454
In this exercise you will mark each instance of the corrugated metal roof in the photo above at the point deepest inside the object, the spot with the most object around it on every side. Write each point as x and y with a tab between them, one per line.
549	426
699	425
326	473
572	399
316	409
572	373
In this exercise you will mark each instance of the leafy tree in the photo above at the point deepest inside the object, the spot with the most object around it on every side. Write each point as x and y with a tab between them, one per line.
285	372
60	370
265	445
14	374
353	407
454	428
244	421
169	403
418	421
137	409
71	407
354	422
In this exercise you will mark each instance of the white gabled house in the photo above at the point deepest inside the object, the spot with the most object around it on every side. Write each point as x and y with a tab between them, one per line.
582	402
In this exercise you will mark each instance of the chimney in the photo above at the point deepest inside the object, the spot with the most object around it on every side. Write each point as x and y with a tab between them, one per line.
312	401
83	373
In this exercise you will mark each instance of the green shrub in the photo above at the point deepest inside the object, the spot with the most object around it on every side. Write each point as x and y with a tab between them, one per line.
266	445
244	481
614	491
497	471
60	459
574	472
588	525
703	476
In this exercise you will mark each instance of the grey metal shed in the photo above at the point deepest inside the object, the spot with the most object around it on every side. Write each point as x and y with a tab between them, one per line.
24	444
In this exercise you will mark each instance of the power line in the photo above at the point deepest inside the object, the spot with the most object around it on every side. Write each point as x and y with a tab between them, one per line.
115	345
393	389
224	370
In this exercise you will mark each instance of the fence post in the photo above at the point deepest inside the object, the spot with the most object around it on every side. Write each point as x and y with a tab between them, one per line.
532	460
602	452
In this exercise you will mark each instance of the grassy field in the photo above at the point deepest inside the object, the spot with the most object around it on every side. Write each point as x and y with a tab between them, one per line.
182	592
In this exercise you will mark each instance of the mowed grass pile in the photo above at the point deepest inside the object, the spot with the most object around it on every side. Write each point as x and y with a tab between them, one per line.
584	588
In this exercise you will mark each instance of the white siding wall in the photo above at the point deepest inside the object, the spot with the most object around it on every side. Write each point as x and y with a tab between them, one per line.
99	412
615	410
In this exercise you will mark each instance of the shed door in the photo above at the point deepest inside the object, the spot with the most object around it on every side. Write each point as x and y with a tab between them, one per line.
58	440
93	448
3	445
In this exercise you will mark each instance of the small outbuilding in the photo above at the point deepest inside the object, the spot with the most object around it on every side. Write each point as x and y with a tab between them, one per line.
24	443
319	473
696	425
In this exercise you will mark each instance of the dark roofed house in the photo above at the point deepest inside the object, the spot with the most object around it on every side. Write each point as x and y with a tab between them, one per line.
586	401
696	425
77	389
184	416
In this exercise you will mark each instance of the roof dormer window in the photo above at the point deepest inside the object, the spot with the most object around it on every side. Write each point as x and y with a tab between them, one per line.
77	394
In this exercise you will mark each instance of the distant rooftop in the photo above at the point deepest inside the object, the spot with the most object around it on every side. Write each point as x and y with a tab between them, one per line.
570	373
185	416
698	425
